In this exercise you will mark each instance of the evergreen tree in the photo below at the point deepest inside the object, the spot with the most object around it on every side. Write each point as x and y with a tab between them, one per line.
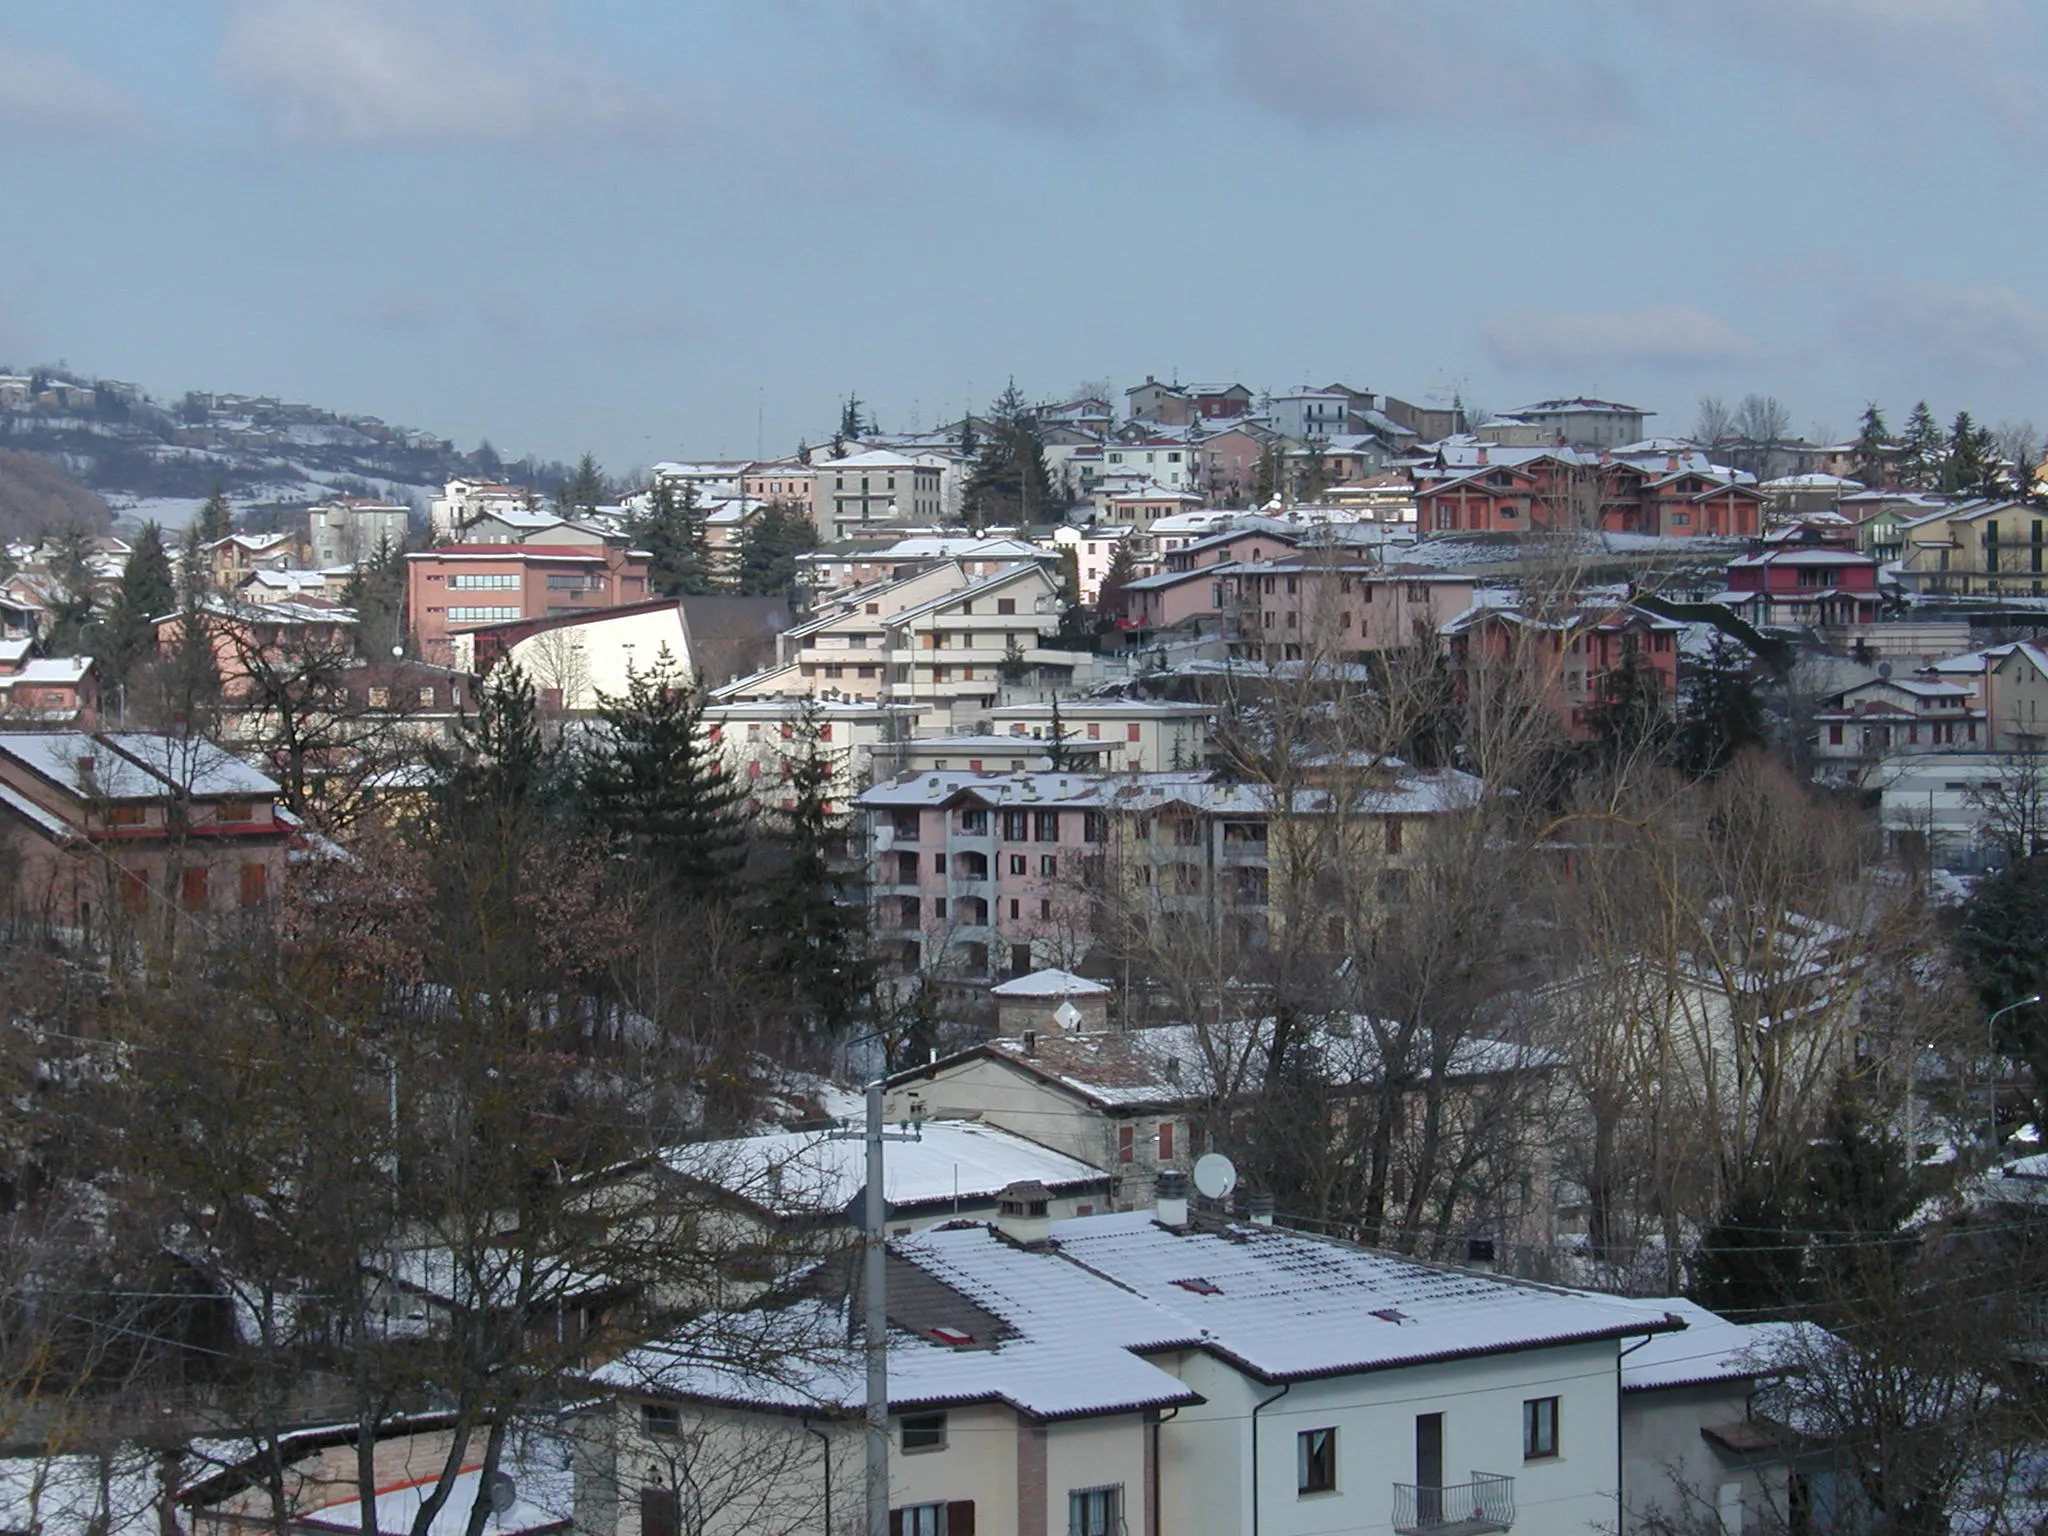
148	591
1874	449
1998	943
487	460
656	788
768	550
214	523
73	610
1111	604
970	440
190	677
851	423
1749	1265
1922	451
1314	478
1969	465
1266	480
816	928
1720	713
1009	482
584	491
1629	714
672	532
376	591
1861	1193
500	770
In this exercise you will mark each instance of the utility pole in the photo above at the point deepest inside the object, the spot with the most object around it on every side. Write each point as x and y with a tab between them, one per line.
875	1305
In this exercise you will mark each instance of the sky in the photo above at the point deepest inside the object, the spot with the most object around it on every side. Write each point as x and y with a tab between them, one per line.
664	228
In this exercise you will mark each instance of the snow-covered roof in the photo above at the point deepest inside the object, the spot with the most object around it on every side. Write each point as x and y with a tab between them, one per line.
1711	1349
811	1173
543	1500
192	764
81	765
1050	982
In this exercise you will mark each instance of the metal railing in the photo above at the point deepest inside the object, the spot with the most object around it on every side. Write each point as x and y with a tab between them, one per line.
1486	1503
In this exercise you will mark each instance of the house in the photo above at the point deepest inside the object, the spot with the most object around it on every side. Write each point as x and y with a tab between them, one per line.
349	530
1227	465
1162	1370
61	690
1324	603
1131	735
1872	720
1585	423
1157	463
1178	404
1567	656
949	1170
463	501
783	481
1692	1440
458	588
99	826
758	739
1804	586
874	487
1983	548
862	562
230	560
1937	805
247	636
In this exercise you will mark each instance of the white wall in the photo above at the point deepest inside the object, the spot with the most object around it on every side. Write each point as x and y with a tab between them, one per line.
584	660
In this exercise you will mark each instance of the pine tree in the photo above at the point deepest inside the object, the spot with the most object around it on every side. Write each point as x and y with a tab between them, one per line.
214	522
1110	602
1861	1191
1749	1265
817	932
1630	714
1266	481
376	591
1922	451
73	610
655	787
672	532
1874	449
500	768
584	491
487	460
148	591
768	550
1009	482
1720	712
851	422
1969	462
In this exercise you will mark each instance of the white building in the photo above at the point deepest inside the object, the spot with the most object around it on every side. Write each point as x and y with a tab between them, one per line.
348	530
461	501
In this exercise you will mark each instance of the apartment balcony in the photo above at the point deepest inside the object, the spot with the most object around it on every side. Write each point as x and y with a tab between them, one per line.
1485	1504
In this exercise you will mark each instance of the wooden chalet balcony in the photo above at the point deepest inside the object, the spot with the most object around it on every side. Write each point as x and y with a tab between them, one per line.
1486	1504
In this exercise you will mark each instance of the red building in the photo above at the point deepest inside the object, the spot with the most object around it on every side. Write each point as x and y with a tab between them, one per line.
1565	658
462	587
1805	586
1550	491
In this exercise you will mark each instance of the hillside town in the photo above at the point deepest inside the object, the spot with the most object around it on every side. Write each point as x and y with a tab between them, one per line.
1199	958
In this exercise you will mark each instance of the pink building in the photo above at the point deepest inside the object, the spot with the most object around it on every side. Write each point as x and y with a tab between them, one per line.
461	587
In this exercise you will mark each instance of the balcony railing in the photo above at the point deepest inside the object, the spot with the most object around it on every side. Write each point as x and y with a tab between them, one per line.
1485	1504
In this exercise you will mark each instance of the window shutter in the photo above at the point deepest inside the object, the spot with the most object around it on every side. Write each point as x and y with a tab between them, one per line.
960	1518
895	1522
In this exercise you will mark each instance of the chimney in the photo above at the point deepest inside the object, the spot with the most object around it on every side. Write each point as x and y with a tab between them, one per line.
1479	1254
1021	1213
1030	1042
1262	1210
1170	1194
1482	455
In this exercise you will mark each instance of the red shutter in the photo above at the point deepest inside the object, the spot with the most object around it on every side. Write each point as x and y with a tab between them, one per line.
960	1518
1166	1141
1126	1143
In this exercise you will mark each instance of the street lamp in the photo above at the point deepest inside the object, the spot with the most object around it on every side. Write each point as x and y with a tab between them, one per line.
1991	1035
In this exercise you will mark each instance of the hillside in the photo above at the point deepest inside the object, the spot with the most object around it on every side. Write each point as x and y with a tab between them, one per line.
142	458
36	496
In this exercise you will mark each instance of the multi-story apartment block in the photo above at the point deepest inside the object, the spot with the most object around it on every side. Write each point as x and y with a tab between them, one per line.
875	488
1324	603
1563	658
785	481
1587	423
1897	714
1805	586
463	501
347	530
1168	462
1509	490
1985	548
1119	735
460	587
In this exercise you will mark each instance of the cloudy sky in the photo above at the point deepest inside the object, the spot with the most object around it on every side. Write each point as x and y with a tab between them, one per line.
652	227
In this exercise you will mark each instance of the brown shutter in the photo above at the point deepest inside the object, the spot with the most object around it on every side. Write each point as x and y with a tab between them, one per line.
960	1518
895	1522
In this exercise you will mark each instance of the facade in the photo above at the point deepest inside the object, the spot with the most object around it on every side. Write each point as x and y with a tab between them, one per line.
1318	604
246	637
462	501
1805	586
791	483
1860	725
875	488
1169	463
459	588
98	828
1122	735
1585	423
57	690
230	560
350	530
1990	548
1565	658
1519	491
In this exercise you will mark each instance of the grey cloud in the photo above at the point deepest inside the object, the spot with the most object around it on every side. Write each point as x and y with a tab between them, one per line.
384	72
1987	329
46	93
1668	336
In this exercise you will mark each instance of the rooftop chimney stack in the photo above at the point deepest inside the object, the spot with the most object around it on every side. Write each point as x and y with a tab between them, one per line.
1170	1193
1262	1210
1022	1213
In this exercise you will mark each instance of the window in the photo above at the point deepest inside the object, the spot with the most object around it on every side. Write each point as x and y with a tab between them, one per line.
974	822
1046	826
1095	1512
491	583
954	1519
134	891
481	615
567	583
1539	1428
127	815
924	1432
1018	863
1126	1144
380	698
1166	1141
1016	826
1393	834
234	811
661	1418
255	884
1048	866
1094	827
661	1512
1045	909
1315	1461
192	889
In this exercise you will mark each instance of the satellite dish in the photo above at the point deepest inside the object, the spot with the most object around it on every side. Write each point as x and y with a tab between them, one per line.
1215	1176
504	1493
1884	669
1067	1016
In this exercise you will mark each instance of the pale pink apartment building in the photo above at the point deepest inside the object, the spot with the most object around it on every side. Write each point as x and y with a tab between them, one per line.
462	587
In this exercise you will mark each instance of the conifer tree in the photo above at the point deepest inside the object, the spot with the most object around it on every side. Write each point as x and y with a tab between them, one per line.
73	610
147	592
1110	602
1967	466
655	787
768	550
584	491
1720	710
1009	482
501	769
672	532
214	522
816	929
851	423
1922	451
376	591
1874	449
